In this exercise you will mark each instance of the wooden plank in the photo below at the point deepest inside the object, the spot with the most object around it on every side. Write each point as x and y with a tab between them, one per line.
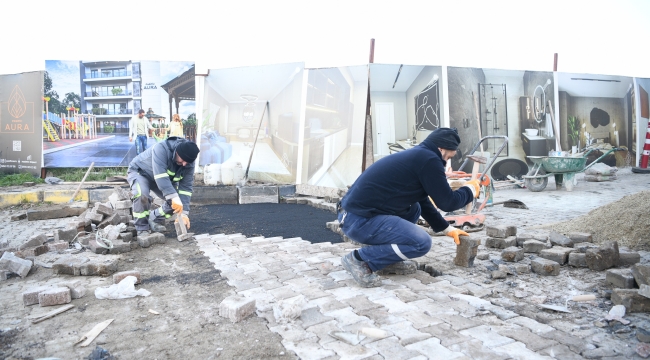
52	313
93	333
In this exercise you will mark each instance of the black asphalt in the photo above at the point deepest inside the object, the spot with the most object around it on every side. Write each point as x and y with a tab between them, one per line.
268	220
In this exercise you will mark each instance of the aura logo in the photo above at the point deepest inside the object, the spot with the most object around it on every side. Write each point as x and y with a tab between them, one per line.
17	104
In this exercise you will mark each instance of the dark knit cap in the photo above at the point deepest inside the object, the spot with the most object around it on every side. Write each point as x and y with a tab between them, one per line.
188	151
445	138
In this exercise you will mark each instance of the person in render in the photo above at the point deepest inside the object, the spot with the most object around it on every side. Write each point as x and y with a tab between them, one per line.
139	127
167	169
176	126
383	205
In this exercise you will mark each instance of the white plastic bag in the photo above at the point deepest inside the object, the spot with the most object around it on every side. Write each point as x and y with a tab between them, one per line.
123	290
288	309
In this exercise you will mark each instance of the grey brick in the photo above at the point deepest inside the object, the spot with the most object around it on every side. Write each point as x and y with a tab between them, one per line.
500	243
54	296
577	259
604	257
557	253
545	267
30	296
65	235
512	254
98	268
466	251
236	308
558	239
641	274
631	299
620	278
628	258
534	246
578	237
35	240
14	264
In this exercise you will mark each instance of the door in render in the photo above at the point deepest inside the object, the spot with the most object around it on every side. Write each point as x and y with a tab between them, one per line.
385	127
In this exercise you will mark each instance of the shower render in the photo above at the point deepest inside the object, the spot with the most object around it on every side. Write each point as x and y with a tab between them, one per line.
493	105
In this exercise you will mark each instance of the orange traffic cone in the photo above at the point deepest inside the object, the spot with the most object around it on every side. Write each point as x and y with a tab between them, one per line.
645	155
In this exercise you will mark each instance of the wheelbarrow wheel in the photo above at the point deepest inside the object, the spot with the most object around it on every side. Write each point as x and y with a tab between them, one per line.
536	184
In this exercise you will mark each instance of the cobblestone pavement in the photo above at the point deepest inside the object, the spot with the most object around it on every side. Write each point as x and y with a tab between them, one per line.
459	315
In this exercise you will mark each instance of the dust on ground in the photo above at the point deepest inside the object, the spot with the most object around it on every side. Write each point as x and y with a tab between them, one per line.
625	221
185	289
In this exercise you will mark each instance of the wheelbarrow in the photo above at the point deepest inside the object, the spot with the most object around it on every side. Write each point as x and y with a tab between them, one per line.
563	168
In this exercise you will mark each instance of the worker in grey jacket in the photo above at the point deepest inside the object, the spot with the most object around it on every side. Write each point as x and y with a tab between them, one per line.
167	169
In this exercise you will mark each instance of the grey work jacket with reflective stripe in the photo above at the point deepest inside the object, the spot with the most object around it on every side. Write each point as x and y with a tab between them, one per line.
157	164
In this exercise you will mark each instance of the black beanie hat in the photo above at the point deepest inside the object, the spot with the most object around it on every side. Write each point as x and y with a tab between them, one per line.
188	151
445	138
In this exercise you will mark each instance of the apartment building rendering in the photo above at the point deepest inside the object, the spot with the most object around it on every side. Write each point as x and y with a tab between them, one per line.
115	90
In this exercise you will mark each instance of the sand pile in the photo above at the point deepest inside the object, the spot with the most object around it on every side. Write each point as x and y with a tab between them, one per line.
626	221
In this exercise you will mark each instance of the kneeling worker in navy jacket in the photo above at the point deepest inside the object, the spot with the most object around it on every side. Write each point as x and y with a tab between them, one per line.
383	205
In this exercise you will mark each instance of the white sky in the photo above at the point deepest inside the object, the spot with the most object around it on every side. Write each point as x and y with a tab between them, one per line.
597	37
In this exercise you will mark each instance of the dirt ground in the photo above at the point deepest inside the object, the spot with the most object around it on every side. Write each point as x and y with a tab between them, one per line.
185	289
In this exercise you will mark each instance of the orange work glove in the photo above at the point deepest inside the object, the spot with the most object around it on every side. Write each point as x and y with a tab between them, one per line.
186	220
177	205
474	186
455	233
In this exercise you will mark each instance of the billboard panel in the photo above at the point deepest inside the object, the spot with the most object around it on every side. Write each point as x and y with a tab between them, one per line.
21	127
91	105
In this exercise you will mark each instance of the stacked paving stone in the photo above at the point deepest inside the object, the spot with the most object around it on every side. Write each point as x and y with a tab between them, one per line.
54	295
409	316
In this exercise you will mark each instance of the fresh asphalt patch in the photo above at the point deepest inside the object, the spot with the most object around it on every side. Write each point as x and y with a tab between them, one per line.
268	220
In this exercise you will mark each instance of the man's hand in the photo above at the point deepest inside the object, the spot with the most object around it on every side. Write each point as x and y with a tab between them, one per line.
130	139
474	186
177	205
186	220
455	233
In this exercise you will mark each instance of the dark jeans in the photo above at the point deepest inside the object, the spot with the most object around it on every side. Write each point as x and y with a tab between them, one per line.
140	144
391	238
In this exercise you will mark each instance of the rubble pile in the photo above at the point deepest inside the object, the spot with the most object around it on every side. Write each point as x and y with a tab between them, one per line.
545	253
106	229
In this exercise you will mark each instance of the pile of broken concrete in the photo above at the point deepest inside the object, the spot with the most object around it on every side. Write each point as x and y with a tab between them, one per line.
86	246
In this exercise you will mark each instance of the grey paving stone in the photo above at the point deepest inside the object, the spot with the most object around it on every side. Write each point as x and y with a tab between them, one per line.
390	348
445	333
560	352
458	322
347	351
313	316
406	333
574	343
432	348
490	338
475	349
308	350
532	341
360	303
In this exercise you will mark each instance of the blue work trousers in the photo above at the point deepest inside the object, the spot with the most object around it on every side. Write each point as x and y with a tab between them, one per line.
390	238
140	144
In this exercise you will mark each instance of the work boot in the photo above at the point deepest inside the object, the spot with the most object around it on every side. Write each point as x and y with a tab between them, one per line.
143	232
153	225
400	268
360	271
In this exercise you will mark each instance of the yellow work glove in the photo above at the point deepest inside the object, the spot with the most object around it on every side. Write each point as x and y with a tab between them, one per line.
177	205
474	186
455	233
186	220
